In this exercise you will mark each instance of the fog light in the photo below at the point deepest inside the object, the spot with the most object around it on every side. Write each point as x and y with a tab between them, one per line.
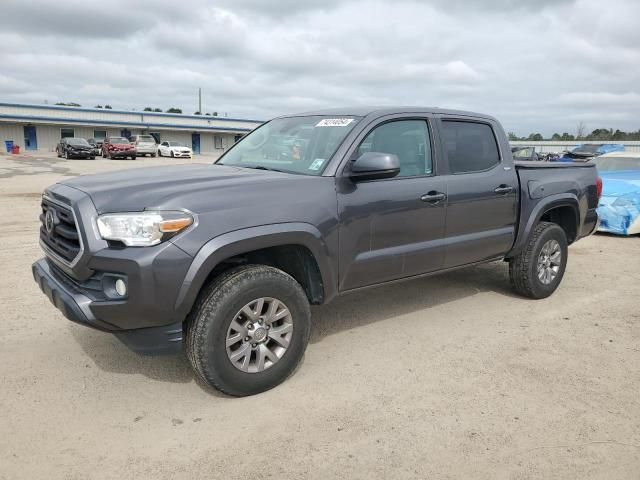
121	287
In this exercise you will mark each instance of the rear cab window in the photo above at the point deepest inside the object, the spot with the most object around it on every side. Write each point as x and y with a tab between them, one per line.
470	147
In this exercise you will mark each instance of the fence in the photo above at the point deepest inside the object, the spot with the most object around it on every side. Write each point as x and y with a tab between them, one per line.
559	146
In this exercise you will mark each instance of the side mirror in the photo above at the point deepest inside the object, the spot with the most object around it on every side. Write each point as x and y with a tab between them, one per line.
374	166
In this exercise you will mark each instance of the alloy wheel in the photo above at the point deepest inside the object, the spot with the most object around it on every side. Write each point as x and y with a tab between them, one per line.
549	262
259	335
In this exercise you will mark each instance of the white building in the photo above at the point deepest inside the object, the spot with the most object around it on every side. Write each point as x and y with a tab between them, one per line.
40	127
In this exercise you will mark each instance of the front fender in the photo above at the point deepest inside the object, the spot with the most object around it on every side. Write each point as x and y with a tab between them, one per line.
246	240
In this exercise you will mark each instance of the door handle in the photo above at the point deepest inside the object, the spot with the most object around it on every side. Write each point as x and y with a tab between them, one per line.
503	189
433	197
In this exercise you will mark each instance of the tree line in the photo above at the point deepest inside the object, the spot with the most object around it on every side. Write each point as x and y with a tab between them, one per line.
146	109
599	134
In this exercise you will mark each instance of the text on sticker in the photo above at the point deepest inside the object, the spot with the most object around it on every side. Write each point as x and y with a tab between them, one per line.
334	122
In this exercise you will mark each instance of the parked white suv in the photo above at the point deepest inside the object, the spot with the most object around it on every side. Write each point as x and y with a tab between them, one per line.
145	144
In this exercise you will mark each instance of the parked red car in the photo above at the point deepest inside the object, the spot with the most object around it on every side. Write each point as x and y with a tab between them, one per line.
118	147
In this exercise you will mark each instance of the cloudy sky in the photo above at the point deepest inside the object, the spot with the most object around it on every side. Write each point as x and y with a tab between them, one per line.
538	65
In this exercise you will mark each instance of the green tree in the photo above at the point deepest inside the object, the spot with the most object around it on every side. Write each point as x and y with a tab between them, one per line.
512	137
98	106
108	107
197	113
174	110
147	109
555	136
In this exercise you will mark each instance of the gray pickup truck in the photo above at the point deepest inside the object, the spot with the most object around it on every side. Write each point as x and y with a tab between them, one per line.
227	257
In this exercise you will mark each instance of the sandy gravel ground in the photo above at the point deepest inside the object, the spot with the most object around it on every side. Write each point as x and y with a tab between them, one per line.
445	377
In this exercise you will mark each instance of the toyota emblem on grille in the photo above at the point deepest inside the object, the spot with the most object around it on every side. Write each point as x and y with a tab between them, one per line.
49	222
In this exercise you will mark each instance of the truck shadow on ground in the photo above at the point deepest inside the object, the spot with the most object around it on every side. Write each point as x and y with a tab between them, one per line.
345	313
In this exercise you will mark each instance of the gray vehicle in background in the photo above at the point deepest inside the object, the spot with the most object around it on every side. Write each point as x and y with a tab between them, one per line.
145	145
227	258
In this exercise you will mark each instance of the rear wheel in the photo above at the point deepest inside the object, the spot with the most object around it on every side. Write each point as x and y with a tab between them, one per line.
248	330
538	270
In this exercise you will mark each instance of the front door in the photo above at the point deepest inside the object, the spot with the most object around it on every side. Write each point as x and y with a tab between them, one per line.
195	143
30	139
482	207
392	228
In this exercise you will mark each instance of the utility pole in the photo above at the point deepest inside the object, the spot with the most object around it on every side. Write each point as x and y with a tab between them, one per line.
200	100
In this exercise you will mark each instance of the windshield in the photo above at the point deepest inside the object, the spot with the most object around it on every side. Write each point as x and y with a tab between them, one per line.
146	138
293	144
77	141
586	149
118	140
175	144
610	164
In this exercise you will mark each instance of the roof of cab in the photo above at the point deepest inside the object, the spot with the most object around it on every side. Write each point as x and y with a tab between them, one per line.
374	111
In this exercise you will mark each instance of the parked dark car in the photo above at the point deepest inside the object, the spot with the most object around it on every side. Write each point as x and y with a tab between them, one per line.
118	147
583	153
227	258
96	144
71	147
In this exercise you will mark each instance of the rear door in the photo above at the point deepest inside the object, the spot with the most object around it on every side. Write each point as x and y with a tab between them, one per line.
392	228
482	207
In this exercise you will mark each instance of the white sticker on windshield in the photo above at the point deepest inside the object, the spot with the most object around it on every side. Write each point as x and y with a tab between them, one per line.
334	122
316	164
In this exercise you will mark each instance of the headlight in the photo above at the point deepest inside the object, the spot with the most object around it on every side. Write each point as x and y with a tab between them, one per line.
142	229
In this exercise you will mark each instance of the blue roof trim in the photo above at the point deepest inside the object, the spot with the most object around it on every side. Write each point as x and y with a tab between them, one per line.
66	121
135	112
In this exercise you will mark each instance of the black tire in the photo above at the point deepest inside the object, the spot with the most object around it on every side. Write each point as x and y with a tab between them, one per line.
523	269
92	157
218	304
58	153
133	157
153	155
159	153
172	155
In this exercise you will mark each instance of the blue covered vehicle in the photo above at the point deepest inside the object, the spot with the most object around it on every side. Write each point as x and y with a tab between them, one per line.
619	207
585	152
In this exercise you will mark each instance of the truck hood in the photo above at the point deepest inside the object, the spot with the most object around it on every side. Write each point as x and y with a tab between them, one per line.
194	187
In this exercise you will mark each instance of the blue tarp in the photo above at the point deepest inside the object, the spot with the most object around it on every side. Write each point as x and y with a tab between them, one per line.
619	207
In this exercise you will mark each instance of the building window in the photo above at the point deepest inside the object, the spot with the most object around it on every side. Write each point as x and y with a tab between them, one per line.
67	133
99	134
217	142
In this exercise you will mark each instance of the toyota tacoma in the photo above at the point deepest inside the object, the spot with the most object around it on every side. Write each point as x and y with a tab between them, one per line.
223	260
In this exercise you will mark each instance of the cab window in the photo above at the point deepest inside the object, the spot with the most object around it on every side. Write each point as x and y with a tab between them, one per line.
408	140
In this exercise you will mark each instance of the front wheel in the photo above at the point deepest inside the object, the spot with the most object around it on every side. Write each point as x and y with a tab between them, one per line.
172	155
159	153
538	270
248	330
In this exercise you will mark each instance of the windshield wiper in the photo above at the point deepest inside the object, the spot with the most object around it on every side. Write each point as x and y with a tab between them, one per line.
261	167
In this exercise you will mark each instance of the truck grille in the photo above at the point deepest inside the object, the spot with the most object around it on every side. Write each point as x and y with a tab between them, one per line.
58	230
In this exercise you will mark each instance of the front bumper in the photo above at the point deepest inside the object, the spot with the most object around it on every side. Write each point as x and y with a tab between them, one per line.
182	154
146	318
122	153
82	154
76	306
